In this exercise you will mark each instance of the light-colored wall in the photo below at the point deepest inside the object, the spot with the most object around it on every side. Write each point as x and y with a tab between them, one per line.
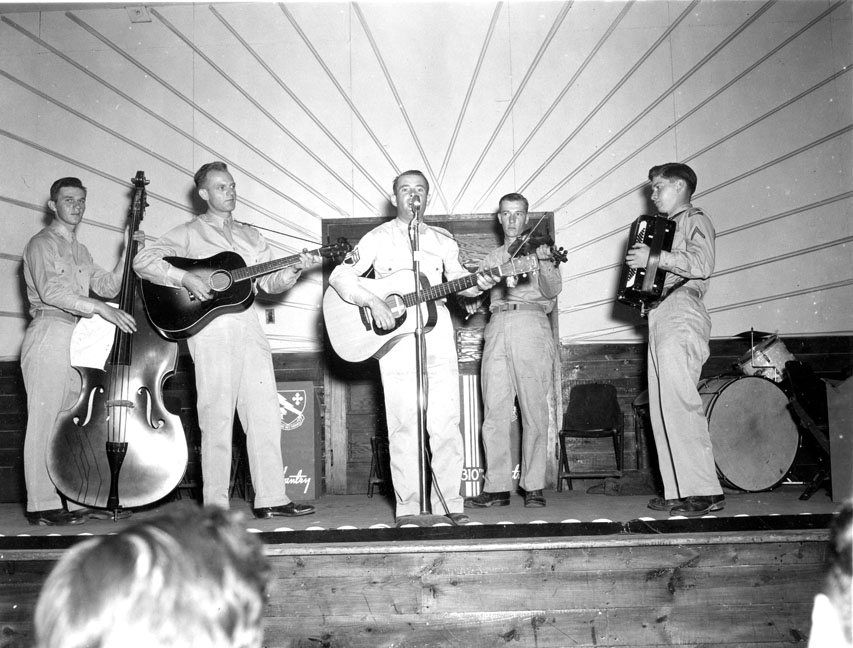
317	106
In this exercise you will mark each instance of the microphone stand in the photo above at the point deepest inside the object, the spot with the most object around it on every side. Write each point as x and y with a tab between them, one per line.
426	517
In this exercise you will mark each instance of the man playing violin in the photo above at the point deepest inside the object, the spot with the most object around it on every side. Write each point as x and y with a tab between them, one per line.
518	360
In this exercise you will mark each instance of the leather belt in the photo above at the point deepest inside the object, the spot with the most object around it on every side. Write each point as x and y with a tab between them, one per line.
688	289
56	314
516	306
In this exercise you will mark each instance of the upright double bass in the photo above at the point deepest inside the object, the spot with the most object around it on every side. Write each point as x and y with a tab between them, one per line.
118	446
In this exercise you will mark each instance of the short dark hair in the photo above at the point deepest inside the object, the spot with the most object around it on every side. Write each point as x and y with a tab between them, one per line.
409	172
184	575
205	170
514	197
65	182
675	171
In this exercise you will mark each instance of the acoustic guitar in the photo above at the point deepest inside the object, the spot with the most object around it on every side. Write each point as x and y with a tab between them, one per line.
177	314
355	336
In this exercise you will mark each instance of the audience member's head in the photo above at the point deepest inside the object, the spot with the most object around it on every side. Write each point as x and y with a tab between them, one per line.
190	580
831	622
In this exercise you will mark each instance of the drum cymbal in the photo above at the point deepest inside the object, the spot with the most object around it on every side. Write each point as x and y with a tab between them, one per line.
754	334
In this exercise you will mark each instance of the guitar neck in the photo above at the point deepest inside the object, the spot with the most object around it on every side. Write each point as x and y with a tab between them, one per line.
442	290
250	272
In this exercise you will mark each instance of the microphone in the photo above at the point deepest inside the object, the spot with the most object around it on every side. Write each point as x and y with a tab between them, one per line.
416	206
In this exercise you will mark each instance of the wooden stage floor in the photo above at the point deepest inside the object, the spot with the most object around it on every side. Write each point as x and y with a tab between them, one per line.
585	571
573	512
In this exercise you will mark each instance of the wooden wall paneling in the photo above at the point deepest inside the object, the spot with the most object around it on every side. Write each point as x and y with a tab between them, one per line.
338	376
334	442
621	364
624	365
13	424
365	414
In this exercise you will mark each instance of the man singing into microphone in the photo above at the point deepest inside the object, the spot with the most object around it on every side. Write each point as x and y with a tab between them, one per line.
388	248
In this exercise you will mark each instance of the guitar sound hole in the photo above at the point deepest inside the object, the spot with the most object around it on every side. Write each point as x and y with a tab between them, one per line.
220	280
396	304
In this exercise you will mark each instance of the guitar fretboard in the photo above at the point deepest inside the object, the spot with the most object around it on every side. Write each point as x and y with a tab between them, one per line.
448	288
241	274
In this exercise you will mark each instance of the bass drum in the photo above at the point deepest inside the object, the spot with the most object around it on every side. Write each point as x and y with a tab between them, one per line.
753	435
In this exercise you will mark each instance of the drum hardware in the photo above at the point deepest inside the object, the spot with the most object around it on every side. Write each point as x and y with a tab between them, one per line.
808	403
766	359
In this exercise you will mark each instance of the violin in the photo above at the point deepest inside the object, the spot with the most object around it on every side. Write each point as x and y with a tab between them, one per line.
118	446
531	240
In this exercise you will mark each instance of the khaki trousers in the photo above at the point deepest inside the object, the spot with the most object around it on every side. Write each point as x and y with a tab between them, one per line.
445	439
518	360
52	385
679	330
234	371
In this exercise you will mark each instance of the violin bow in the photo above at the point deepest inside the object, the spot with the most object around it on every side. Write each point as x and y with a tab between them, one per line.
527	237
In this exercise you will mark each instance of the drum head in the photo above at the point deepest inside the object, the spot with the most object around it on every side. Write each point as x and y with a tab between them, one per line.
752	432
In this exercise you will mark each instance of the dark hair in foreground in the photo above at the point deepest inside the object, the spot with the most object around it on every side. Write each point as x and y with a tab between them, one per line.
675	171
65	182
205	169
190	579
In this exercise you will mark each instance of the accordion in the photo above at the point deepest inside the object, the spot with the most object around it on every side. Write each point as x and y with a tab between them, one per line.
641	287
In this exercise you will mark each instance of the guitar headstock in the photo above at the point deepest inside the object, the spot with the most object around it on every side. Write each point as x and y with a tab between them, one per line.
517	266
337	251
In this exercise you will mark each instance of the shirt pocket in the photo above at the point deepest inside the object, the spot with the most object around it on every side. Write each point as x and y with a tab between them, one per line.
64	267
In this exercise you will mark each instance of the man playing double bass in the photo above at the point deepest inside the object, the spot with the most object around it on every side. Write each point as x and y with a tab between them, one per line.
59	273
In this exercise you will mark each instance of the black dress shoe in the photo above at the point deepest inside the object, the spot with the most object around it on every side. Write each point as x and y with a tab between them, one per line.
102	514
695	506
661	504
54	517
459	518
534	499
485	500
285	510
